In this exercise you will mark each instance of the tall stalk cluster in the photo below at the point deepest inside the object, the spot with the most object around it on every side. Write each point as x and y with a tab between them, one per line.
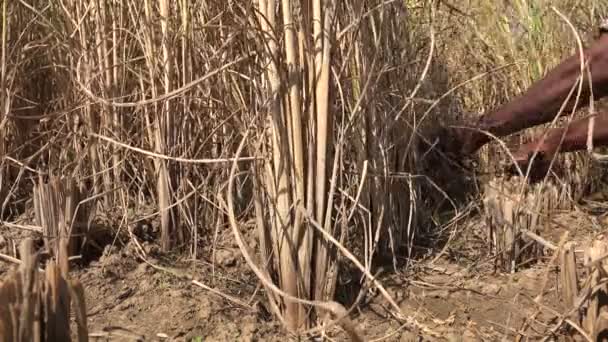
297	45
336	133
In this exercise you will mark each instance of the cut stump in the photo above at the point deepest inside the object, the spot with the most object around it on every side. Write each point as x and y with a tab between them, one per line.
36	304
58	213
584	290
514	215
594	318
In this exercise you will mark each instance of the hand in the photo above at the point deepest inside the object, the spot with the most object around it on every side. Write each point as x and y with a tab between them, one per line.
523	157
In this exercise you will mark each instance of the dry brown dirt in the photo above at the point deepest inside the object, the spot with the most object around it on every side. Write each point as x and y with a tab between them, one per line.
457	297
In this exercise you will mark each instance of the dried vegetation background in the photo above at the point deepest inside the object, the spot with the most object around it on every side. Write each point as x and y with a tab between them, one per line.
288	138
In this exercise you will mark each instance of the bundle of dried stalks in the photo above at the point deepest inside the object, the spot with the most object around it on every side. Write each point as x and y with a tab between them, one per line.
331	106
58	212
515	211
36	305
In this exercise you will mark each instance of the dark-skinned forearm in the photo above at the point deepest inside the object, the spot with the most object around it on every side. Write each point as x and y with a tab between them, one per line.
542	101
575	138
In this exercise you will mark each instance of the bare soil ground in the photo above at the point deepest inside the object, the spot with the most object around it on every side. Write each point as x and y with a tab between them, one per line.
455	295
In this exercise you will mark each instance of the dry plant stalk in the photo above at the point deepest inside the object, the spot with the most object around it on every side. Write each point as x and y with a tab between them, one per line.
594	318
568	279
3	99
36	305
165	140
59	213
568	276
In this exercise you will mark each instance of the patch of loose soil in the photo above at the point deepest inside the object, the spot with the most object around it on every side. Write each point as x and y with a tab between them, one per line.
126	296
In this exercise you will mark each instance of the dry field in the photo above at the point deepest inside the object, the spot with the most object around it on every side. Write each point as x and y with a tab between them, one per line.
257	171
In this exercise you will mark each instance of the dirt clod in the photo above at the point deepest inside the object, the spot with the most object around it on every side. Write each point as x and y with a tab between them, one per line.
225	257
